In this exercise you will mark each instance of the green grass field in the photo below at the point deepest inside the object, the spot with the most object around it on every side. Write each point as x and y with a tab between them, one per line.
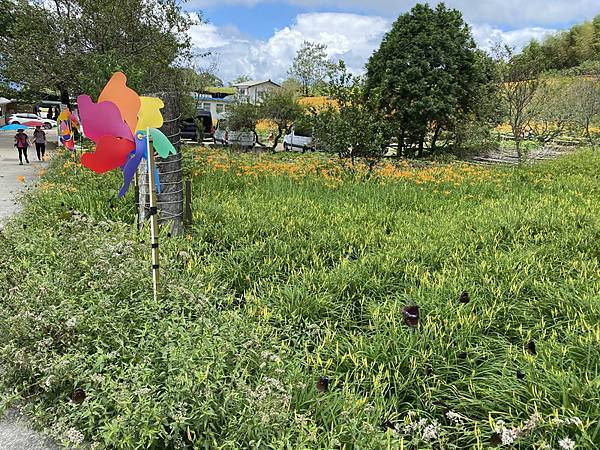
282	321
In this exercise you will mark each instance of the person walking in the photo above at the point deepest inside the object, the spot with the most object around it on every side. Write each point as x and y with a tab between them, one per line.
50	113
39	137
22	142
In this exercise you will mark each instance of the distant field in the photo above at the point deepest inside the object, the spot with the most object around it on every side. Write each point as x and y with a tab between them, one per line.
284	319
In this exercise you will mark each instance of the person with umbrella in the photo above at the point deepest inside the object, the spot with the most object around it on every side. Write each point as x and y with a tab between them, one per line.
22	142
39	137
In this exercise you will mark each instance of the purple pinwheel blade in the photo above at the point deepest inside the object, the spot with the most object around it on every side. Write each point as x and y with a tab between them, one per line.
131	165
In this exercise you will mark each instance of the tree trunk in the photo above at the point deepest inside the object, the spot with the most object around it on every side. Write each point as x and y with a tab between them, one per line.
276	140
435	138
64	97
421	145
170	199
400	150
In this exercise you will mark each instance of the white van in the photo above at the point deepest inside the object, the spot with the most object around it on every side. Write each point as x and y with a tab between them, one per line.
292	141
244	139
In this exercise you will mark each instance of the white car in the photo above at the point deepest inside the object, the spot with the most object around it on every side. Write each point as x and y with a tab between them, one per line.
20	118
293	140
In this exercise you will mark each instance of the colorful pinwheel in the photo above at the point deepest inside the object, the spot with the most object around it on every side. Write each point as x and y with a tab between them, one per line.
119	124
65	131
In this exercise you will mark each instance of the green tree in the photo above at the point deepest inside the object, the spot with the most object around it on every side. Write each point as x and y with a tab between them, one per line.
73	46
281	108
241	79
351	126
554	108
586	94
244	116
425	74
569	49
520	84
310	66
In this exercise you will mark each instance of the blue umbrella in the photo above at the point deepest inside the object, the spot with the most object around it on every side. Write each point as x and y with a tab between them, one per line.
13	126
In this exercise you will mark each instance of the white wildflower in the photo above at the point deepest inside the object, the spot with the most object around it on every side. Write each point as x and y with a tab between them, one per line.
574	421
97	378
454	417
566	444
532	422
510	436
49	381
500	425
430	432
71	322
74	436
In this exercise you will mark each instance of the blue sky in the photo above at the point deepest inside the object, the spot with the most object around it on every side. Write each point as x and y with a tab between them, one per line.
260	37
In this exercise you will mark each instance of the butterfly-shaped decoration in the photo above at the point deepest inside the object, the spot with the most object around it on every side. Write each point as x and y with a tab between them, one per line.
119	124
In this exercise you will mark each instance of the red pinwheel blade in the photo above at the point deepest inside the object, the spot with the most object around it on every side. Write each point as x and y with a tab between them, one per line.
111	152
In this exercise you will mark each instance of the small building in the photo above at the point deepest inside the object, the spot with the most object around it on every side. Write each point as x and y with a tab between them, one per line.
254	91
3	112
216	100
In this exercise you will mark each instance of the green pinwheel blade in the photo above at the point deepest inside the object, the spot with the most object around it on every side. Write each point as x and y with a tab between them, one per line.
161	143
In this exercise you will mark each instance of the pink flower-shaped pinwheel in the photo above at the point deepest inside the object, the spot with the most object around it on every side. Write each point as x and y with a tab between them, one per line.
118	123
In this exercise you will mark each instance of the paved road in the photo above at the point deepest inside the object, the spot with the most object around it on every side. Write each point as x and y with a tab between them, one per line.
13	177
15	434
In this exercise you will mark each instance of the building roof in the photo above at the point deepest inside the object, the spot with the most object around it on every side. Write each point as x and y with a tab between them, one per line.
219	90
253	83
5	101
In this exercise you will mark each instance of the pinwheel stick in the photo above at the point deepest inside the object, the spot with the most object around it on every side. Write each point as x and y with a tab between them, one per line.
153	216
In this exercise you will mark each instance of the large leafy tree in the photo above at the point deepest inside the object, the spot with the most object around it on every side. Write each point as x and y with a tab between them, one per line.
310	66
72	46
426	74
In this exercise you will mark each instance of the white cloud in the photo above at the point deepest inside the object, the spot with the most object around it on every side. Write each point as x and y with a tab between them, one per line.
512	13
350	37
486	36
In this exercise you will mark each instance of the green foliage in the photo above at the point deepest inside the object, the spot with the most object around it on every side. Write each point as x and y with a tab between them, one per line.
243	116
570	49
241	79
287	281
281	108
311	66
425	73
72	46
521	82
351	126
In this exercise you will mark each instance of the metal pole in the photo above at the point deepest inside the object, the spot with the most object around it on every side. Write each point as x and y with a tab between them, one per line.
153	216
188	203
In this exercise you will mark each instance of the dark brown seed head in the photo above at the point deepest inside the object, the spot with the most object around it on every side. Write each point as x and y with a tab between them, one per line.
387	425
496	439
428	370
531	347
411	316
464	298
520	374
323	384
78	396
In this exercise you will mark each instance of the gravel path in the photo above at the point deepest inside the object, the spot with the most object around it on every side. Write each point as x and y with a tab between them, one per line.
15	433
